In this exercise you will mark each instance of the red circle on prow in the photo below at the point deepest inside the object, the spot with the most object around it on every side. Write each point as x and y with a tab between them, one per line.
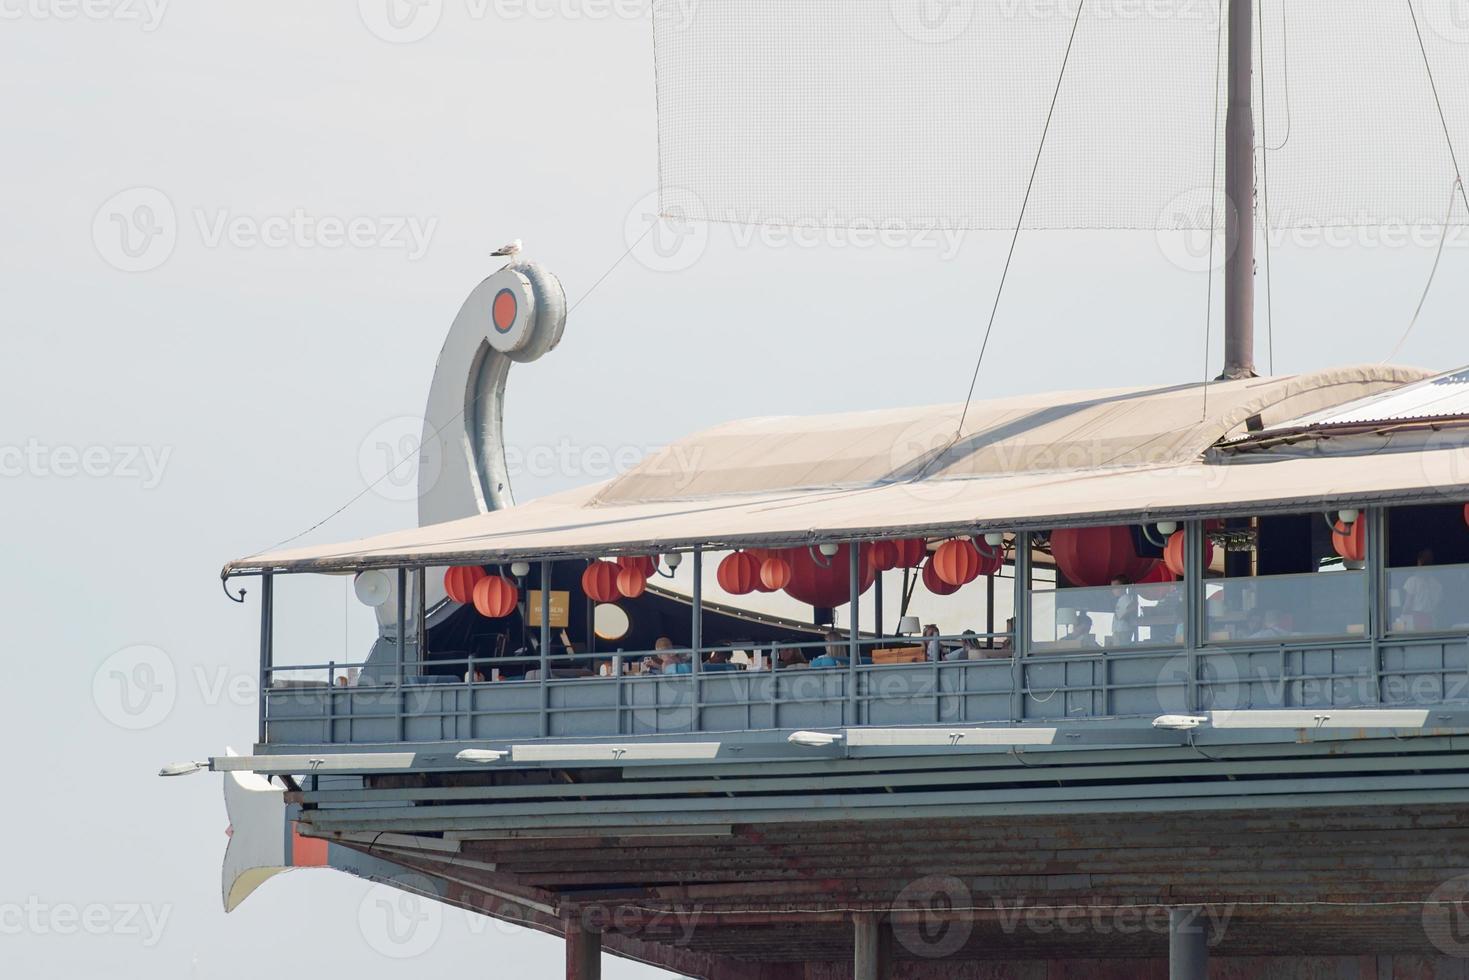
504	310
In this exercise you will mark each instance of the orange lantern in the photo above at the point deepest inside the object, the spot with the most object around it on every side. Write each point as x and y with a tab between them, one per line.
934	584
599	581
775	574
738	573
460	581
825	583
642	563
883	556
495	597
957	562
1094	556
1175	559
911	552
1350	540
631	582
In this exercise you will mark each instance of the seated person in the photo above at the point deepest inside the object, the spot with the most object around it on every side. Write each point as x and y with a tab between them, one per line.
1080	634
719	662
789	659
1270	627
478	678
969	648
662	655
835	654
931	643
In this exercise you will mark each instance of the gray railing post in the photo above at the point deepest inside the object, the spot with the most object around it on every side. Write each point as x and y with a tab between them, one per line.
267	648
854	639
1020	642
1379	618
545	649
1193	608
402	652
696	640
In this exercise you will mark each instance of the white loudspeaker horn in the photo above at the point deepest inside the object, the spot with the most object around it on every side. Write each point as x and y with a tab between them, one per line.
374	587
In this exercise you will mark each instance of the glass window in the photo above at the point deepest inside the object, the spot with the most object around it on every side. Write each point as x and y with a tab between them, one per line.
1282	577
1428	569
1103	588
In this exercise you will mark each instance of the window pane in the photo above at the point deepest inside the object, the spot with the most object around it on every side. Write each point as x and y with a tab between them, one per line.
1110	616
1273	607
1428	598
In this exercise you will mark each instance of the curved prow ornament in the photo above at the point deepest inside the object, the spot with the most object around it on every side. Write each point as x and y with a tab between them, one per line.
515	316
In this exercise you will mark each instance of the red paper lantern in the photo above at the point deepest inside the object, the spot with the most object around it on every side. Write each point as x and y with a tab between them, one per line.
631	582
934	584
1175	559
642	564
883	556
957	562
826	586
1094	556
460	581
495	597
775	574
1350	540
1159	574
738	573
911	552
995	563
599	581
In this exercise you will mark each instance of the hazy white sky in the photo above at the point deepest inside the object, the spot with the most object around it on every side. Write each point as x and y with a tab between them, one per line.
333	198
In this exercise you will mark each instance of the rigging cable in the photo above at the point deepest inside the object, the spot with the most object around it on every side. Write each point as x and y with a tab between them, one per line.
1456	194
1285	70
469	404
1020	222
1213	211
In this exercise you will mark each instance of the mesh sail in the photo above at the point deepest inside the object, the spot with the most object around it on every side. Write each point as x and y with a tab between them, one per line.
930	112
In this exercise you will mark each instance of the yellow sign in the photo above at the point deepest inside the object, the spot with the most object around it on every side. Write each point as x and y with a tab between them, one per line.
560	609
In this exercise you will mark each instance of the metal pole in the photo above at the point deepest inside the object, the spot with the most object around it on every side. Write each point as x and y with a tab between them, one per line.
866	949
1020	641
1194	611
267	647
696	635
854	641
420	580
1239	189
402	647
877	605
583	951
1188	945
545	648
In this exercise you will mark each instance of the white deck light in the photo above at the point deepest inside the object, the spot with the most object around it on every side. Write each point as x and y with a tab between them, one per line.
183	768
814	740
1179	723
481	757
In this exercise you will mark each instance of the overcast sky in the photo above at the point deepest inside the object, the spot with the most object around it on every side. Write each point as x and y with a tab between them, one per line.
234	237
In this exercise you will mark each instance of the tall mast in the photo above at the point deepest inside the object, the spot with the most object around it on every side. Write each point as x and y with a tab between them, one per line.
1239	188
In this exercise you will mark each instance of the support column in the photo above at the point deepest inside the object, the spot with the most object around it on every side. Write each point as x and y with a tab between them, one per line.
867	951
1188	944
583	951
1239	189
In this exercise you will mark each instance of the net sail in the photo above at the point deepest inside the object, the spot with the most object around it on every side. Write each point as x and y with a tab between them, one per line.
928	113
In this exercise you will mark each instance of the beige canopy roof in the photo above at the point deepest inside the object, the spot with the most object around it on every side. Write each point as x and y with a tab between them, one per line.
1036	462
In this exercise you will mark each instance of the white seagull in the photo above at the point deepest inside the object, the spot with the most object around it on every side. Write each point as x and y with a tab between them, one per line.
508	251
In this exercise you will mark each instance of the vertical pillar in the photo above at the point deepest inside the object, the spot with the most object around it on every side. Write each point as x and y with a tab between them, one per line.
420	589
583	951
1239	188
867	948
854	639
1194	611
545	649
1188	944
1020	642
267	647
402	652
696	637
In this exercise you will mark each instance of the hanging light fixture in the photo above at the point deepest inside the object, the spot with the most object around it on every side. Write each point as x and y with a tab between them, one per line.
520	569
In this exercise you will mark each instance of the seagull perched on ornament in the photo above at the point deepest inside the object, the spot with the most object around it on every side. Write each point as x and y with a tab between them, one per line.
511	252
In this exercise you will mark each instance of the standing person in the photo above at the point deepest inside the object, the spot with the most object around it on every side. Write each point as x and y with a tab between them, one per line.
1124	614
1422	595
